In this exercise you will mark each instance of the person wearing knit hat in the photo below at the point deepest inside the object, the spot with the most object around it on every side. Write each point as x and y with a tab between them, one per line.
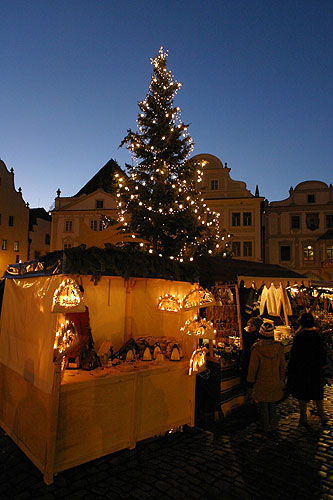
267	329
266	374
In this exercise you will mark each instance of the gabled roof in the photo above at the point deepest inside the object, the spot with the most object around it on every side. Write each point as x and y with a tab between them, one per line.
104	179
37	213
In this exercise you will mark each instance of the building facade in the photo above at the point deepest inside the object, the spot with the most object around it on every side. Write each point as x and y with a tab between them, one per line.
78	219
39	241
240	210
299	230
14	221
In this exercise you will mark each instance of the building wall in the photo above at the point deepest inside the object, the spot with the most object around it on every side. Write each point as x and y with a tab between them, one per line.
39	234
14	221
240	210
72	218
299	230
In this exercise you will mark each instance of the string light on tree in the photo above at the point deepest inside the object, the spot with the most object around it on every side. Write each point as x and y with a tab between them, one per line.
159	199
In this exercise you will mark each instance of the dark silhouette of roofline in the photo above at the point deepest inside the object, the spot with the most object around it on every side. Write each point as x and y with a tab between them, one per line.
104	179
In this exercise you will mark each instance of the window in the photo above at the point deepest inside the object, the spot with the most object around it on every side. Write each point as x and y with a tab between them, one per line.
96	225
4	245
236	250
17	260
329	253
295	222
67	245
16	246
247	249
285	253
308	254
235	219
328	220
99	203
247	219
68	226
311	198
47	239
93	225
214	184
37	254
11	220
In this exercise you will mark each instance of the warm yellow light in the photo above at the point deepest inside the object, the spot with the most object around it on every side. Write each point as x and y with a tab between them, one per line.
67	295
169	303
198	327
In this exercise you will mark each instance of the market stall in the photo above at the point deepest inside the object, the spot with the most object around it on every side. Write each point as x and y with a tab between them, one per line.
241	290
317	297
88	368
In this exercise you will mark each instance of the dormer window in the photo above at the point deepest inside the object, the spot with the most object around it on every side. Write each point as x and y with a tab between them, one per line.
99	204
214	185
311	198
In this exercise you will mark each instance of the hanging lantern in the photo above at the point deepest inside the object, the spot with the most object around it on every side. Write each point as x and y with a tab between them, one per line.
169	303
198	361
206	298
68	297
199	327
191	300
65	339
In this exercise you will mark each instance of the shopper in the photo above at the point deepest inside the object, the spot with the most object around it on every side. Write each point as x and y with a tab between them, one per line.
266	374
250	335
306	368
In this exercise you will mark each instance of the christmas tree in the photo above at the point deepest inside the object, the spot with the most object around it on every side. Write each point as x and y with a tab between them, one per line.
159	201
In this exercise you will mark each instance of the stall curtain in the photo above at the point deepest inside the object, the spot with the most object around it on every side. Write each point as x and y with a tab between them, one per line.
28	327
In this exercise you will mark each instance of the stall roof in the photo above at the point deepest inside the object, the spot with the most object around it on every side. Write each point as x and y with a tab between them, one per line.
218	269
322	284
110	261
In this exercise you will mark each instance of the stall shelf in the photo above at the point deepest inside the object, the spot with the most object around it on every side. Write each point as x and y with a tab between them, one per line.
62	418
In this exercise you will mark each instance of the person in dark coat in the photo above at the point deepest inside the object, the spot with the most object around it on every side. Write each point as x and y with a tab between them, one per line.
250	335
306	368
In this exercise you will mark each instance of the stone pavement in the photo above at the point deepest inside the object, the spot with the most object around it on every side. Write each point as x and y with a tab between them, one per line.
228	460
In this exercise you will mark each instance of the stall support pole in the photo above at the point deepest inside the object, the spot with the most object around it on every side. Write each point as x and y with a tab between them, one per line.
129	284
53	425
210	342
239	317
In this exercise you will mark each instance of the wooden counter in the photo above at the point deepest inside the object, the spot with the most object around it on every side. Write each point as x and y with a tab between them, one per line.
91	414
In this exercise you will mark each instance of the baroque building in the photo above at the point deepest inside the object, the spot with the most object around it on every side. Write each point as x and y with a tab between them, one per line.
78	219
14	221
240	210
299	230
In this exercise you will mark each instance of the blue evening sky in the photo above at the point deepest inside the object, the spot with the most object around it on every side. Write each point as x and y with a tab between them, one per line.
256	74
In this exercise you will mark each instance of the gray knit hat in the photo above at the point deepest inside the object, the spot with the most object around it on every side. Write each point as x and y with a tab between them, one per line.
267	329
